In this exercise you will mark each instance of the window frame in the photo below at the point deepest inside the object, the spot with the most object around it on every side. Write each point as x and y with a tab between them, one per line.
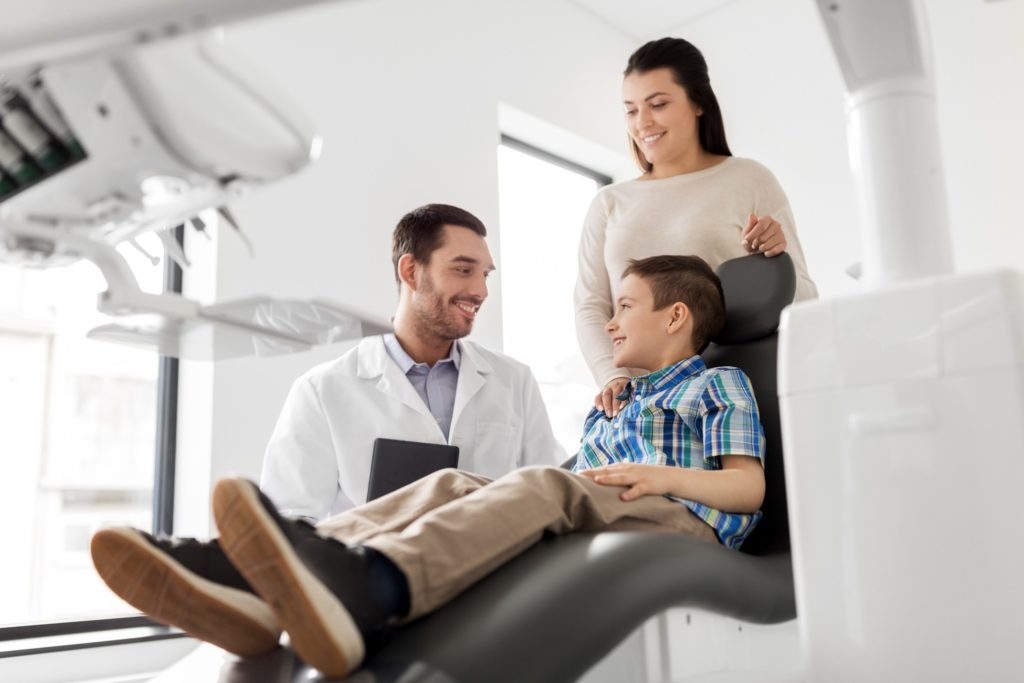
519	145
167	415
32	639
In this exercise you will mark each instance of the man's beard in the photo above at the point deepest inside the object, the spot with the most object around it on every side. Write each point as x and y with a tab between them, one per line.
433	317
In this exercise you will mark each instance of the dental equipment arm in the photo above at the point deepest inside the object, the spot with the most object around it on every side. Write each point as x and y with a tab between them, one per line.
135	125
885	60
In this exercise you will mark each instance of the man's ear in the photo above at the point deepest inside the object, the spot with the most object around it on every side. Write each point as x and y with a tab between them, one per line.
408	268
679	314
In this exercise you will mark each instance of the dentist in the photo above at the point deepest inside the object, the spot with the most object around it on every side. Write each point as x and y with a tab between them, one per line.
422	383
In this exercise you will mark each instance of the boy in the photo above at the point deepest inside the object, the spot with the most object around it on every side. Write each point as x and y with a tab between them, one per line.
685	455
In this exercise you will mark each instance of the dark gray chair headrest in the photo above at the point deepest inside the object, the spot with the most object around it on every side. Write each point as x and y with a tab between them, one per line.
756	289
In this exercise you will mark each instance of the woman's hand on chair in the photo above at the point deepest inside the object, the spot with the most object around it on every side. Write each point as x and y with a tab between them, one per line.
606	398
764	235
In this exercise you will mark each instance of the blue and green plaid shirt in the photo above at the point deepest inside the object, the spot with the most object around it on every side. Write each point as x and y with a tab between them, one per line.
685	415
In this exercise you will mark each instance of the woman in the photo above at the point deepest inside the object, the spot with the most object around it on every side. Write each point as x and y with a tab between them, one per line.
693	197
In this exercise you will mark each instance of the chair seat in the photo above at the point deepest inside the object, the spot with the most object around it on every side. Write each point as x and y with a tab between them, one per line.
552	613
559	608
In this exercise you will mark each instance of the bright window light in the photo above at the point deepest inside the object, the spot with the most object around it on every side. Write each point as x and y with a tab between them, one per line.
542	206
77	438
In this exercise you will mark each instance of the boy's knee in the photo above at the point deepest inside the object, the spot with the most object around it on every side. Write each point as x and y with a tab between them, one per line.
448	475
451	479
542	475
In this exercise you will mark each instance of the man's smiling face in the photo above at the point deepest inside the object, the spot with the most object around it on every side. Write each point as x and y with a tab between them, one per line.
452	286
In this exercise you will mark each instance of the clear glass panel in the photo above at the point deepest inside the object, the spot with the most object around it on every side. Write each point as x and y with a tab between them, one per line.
77	435
257	325
541	210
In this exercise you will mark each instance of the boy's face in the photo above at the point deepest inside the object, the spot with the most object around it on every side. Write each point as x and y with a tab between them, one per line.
639	333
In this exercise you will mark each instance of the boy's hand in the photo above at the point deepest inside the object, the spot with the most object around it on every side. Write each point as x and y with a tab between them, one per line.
642	480
763	234
605	399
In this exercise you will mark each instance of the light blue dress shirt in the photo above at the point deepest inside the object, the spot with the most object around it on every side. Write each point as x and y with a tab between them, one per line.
435	385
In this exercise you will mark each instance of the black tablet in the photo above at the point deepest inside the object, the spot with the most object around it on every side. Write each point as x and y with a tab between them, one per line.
397	463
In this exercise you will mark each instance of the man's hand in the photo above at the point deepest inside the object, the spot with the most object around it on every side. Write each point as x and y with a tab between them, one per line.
642	480
605	399
764	235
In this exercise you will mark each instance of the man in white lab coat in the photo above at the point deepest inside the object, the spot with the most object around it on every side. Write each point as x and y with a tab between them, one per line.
422	383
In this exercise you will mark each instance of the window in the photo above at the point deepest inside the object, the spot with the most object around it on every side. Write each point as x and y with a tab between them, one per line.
543	200
78	424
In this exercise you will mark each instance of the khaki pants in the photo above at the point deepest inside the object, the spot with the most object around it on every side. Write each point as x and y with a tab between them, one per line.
452	528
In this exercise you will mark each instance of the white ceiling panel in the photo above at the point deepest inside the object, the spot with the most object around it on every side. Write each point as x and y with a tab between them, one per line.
647	19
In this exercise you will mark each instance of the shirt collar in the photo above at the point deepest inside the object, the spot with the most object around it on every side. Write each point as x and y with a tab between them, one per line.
406	363
667	377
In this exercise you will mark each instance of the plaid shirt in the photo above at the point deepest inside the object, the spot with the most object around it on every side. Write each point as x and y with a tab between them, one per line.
685	415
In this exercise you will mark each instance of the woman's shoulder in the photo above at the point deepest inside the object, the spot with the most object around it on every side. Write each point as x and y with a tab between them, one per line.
620	187
750	170
608	196
749	167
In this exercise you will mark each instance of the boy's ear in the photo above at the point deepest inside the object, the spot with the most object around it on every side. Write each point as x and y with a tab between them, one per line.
679	314
407	270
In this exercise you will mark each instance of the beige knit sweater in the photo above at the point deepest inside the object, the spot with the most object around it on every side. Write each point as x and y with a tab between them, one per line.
702	213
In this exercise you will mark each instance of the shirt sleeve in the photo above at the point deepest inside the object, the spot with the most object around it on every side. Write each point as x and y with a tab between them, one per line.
593	297
581	461
773	202
730	421
300	471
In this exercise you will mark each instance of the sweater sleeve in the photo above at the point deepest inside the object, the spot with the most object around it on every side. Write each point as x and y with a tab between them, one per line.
593	296
773	202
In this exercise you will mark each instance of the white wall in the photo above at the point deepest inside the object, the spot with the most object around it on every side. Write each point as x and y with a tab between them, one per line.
782	96
406	94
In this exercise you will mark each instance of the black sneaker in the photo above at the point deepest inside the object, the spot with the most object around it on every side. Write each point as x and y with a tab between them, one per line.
317	587
176	583
205	558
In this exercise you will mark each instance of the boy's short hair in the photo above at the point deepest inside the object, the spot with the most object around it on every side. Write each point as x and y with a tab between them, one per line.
419	232
687	279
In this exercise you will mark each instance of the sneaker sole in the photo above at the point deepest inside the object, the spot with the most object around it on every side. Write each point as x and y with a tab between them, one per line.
168	592
321	630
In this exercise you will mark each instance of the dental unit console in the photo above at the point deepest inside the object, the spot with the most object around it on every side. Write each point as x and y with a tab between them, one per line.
901	405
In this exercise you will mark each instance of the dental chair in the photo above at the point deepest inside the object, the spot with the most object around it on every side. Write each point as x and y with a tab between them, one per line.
552	613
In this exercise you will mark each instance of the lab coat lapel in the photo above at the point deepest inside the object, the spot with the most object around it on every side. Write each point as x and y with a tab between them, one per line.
473	371
374	361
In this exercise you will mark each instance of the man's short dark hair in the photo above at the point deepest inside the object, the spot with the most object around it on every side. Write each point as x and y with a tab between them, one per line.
420	232
690	280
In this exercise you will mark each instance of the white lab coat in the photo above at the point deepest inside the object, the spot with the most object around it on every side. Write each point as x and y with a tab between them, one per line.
318	459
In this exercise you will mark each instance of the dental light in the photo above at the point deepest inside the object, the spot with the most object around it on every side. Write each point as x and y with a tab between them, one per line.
123	120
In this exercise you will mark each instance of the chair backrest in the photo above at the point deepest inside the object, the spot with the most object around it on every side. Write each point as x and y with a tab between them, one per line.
756	290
